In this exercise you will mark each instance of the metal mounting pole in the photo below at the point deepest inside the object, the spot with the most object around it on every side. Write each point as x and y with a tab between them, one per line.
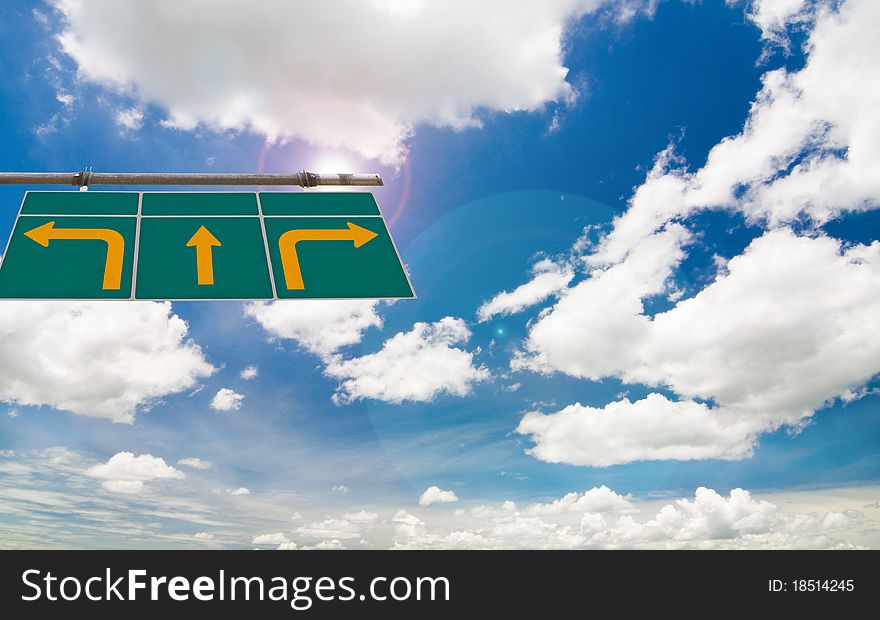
88	178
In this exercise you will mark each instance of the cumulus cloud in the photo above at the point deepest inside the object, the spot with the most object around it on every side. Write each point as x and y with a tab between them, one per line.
275	69
333	529
270	539
195	463
239	491
411	366
774	16
483	511
708	517
805	149
786	329
102	359
203	536
341	489
653	428
598	499
227	400
127	466
361	516
57	483
326	534
326	545
320	326
548	278
709	520
590	331
126	473
436	495
249	373
417	365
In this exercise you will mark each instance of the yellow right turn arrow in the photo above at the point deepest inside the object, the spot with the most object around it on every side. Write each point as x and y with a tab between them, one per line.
287	246
204	241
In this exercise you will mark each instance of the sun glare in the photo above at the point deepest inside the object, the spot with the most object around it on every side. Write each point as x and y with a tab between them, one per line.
333	164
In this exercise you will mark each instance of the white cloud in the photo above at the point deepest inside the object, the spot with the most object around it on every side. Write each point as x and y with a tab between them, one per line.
805	149
787	329
203	536
277	68
129	118
591	330
650	429
332	528
320	326
40	17
126	473
411	366
277	538
548	279
407	526
435	495
48	128
708	518
416	365
774	16
598	499
123	486
506	509
103	359
249	373
195	463
127	466
341	489
12	413
65	99
326	545
57	455
361	516
227	400
239	491
707	521
55	483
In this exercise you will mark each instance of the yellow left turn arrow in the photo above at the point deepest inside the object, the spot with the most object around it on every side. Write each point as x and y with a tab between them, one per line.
204	241
114	240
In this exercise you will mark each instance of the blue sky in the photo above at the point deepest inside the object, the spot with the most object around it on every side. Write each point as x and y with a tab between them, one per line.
476	200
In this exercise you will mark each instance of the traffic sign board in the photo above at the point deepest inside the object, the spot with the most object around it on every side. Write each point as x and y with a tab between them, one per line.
333	257
201	245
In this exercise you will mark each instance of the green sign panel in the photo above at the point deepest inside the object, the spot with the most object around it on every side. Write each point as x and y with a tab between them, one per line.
203	245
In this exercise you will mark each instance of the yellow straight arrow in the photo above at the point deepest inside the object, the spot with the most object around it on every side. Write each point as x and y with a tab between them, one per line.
114	240
287	246
204	241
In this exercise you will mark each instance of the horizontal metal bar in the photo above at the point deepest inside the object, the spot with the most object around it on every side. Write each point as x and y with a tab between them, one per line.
88	178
